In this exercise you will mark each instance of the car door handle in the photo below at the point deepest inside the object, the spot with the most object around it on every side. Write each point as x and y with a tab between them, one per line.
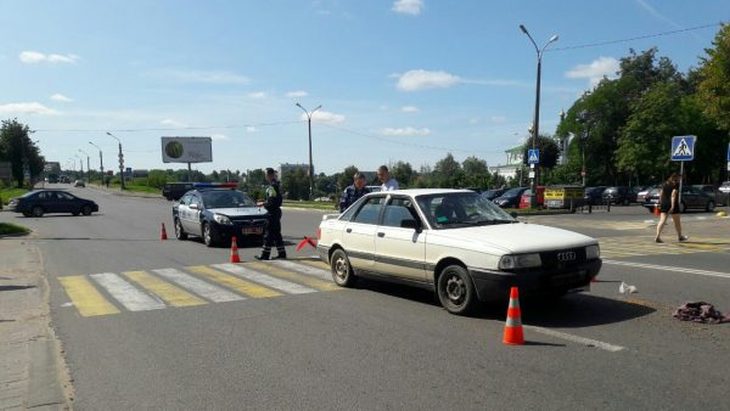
349	230
381	234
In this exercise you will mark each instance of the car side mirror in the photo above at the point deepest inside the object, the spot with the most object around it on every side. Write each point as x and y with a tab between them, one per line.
411	223
194	206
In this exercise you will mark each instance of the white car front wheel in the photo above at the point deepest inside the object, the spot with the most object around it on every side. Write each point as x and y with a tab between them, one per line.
456	291
342	272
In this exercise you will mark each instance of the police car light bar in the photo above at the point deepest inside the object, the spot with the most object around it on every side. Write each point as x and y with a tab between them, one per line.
215	185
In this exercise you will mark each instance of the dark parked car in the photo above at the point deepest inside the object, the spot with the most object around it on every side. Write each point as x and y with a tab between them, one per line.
174	191
713	192
510	198
594	195
692	198
216	214
493	193
619	195
37	203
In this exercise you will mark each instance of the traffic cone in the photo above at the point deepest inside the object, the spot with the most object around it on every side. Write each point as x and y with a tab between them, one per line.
656	210
234	251
513	327
163	232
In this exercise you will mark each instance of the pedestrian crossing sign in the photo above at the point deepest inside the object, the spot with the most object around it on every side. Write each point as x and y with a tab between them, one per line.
533	156
683	148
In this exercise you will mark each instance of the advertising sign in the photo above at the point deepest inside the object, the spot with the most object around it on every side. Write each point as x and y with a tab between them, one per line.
187	150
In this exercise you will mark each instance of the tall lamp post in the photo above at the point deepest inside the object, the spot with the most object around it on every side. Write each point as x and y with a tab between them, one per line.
81	164
536	121
584	118
101	162
88	165
311	166
121	159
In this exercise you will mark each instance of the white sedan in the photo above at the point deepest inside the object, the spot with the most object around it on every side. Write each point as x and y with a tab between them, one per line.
456	243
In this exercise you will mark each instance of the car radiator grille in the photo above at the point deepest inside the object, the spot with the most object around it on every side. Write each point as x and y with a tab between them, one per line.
563	258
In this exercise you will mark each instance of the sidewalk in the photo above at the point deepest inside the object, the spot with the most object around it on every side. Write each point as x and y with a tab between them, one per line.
31	368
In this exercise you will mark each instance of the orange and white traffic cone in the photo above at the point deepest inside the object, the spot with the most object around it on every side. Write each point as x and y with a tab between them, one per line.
163	232
234	251
657	212
513	327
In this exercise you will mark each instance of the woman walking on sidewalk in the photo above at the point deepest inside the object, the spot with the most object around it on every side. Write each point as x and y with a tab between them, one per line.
668	204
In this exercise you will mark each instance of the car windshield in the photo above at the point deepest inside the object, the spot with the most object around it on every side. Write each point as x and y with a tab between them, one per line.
491	194
513	192
226	199
459	209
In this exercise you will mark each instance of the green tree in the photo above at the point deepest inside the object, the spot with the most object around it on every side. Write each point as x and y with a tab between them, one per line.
157	178
345	179
295	184
549	151
714	86
403	173
23	154
476	173
447	173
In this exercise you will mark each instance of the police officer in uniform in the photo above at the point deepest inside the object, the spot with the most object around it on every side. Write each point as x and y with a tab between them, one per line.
273	228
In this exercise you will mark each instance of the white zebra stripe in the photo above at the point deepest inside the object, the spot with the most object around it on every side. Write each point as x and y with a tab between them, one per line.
304	269
127	295
200	287
264	279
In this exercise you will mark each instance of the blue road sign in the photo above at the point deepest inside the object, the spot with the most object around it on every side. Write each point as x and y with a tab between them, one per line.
683	148
728	153
533	156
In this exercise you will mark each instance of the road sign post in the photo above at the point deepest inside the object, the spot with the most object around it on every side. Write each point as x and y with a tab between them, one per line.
533	158
683	149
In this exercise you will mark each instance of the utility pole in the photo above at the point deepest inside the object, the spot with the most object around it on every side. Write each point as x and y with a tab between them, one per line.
121	159
311	166
101	163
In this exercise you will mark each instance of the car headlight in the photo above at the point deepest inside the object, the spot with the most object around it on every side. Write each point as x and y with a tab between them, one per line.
221	219
510	262
593	252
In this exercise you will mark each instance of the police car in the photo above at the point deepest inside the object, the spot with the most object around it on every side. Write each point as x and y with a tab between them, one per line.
217	212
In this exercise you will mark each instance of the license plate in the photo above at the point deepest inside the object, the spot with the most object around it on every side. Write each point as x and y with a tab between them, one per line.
253	230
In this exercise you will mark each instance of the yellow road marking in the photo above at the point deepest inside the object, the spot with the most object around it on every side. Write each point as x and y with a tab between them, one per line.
297	278
171	294
246	287
85	297
315	263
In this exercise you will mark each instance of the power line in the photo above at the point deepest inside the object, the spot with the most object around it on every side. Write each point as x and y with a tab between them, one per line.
647	36
139	130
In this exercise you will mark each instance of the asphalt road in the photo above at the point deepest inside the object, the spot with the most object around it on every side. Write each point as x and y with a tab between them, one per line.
381	346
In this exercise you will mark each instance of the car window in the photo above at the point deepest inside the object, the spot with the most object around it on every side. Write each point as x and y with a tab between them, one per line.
185	200
351	211
194	199
397	210
459	209
65	196
370	211
46	196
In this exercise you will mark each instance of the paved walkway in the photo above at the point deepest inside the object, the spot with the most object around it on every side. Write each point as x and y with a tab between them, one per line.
31	369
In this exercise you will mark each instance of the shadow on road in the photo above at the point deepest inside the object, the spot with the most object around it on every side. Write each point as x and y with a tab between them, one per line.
15	287
581	310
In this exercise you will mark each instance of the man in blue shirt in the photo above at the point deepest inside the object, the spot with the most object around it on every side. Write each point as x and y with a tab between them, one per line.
353	192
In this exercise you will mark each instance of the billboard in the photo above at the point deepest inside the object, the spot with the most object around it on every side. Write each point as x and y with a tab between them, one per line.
187	150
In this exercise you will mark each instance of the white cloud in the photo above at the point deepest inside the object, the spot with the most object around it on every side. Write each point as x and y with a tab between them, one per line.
498	119
61	98
251	129
596	70
26	108
201	76
414	80
298	93
412	7
172	123
409	109
257	95
35	57
405	131
325	117
219	137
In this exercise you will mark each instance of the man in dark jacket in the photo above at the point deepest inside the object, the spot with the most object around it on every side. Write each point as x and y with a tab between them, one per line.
273	228
353	192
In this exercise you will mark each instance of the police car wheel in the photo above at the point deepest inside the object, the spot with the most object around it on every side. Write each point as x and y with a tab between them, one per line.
180	234
210	237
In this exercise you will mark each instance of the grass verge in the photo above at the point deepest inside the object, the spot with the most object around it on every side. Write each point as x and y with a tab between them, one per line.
7	193
8	229
314	205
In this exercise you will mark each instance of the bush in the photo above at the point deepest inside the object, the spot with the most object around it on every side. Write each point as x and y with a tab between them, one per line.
157	179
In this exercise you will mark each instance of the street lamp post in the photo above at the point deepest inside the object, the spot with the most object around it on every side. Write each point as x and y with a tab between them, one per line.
101	163
88	165
584	118
121	159
536	121
81	164
311	166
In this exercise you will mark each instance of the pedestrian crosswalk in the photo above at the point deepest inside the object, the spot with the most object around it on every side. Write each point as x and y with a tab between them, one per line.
110	293
635	246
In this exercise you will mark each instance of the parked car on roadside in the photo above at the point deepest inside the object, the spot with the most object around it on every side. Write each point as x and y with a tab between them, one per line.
174	191
725	187
619	195
39	202
456	243
79	183
594	195
216	213
643	192
493	193
712	191
510	198
692	198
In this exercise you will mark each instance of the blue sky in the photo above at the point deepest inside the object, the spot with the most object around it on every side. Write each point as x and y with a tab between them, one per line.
397	80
